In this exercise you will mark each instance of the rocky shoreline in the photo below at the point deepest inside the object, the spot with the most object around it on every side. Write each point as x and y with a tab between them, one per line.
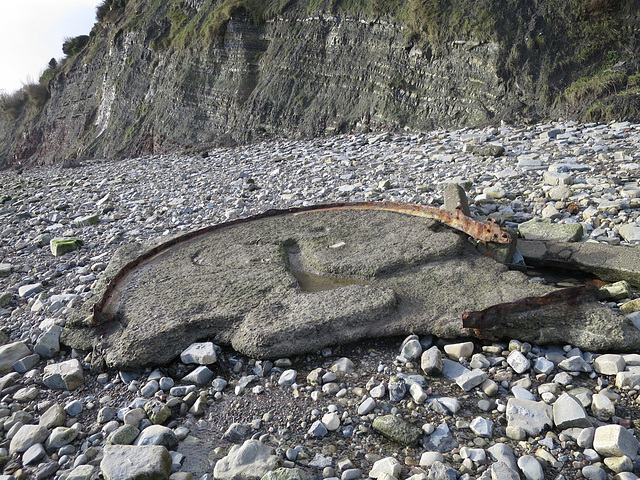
484	411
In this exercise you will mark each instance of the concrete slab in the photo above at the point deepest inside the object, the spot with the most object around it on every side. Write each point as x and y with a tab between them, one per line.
608	262
386	273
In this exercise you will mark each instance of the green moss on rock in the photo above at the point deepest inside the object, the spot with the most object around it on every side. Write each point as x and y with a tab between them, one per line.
60	246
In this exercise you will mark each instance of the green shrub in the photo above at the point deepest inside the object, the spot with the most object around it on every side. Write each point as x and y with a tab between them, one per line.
38	94
73	46
12	104
48	75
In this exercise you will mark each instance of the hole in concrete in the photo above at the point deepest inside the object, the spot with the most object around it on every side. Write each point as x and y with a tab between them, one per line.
310	282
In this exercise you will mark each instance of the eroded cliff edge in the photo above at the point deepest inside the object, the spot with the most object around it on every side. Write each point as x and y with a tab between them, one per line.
164	75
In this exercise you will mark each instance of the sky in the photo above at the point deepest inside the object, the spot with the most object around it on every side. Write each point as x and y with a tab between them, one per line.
32	32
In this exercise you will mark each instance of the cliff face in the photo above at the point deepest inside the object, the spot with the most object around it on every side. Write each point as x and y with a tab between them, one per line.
133	90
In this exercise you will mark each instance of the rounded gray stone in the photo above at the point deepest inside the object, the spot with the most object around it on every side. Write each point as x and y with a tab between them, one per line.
157	435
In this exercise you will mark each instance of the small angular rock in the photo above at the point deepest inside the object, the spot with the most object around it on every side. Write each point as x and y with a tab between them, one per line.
203	353
64	375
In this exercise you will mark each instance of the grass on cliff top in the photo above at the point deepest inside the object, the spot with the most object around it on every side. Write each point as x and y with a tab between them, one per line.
432	20
207	25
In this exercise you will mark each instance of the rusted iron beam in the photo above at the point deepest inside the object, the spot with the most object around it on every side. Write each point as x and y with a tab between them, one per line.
499	315
483	232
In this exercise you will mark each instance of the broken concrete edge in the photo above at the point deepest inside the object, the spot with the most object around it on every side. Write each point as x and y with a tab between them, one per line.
496	315
610	263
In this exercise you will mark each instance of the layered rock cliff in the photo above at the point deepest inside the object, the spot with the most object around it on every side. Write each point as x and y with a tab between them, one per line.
157	76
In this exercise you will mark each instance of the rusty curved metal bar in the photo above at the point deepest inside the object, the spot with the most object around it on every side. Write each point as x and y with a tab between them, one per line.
483	232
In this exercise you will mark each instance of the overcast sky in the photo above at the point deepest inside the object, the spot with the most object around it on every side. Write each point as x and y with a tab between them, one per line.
32	32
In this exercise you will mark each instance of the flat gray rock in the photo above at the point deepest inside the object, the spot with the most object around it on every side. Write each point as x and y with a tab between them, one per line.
26	436
126	461
545	229
10	354
568	412
532	417
249	461
608	262
280	286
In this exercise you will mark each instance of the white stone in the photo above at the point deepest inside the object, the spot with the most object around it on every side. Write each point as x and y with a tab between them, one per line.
48	345
542	365
456	351
602	408
128	461
200	376
530	467
450	403
520	392
61	436
331	421
367	405
518	361
417	393
568	412
200	353
10	354
343	366
615	441
26	436
481	427
631	233
609	364
428	458
388	465
411	350
628	380
288	378
501	452
26	291
476	455
249	461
